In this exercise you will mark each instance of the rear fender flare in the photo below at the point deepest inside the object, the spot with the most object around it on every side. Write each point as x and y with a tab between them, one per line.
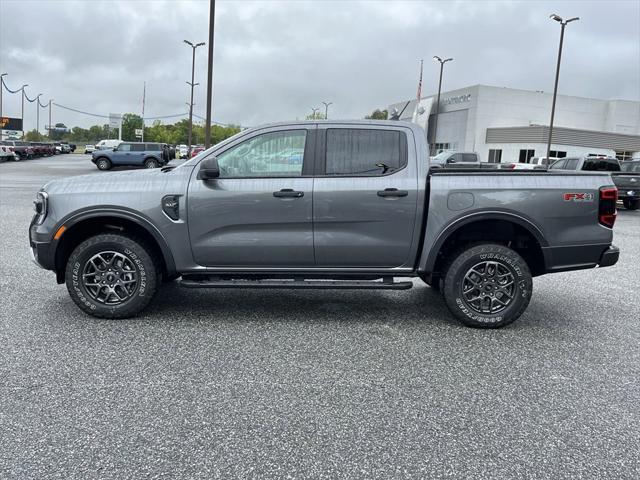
428	264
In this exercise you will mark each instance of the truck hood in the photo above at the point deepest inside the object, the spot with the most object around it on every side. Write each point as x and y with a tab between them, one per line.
124	181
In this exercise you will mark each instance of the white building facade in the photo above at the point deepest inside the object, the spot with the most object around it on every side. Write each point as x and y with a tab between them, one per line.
509	125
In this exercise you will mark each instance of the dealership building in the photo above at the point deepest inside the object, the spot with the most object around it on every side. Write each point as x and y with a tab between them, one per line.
510	125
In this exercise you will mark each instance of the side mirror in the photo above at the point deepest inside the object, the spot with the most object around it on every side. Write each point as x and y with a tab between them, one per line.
209	169
115	149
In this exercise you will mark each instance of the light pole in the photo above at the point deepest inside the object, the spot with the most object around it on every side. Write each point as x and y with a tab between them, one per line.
193	67
563	23
435	123
1	88
207	127
22	108
38	117
50	118
326	109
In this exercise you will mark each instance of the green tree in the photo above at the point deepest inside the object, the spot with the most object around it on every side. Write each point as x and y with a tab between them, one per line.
315	116
378	114
34	136
130	121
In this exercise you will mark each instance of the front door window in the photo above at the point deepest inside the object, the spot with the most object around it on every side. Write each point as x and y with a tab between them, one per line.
275	154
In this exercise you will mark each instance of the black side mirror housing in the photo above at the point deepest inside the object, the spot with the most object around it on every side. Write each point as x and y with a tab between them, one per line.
209	169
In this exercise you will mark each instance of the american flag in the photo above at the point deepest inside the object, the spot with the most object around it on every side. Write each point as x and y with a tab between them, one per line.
420	82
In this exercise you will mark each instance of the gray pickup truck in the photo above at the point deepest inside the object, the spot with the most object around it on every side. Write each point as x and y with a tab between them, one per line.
322	205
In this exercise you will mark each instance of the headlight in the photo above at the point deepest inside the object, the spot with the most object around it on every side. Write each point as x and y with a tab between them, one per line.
41	205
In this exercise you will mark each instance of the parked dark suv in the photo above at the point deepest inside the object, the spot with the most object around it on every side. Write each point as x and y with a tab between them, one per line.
137	154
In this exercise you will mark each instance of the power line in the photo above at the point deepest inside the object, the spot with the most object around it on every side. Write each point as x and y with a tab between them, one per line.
8	89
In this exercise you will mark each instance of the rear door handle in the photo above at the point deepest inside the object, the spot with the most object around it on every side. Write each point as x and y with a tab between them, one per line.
392	192
288	193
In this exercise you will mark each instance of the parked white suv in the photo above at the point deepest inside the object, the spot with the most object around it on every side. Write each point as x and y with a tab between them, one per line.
6	153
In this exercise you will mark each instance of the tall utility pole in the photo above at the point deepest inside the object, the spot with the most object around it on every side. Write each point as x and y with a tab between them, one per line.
193	69
435	123
563	24
22	109
38	116
326	109
1	88
207	126
50	118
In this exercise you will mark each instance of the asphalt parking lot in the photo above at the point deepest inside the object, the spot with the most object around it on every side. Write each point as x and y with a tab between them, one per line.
323	384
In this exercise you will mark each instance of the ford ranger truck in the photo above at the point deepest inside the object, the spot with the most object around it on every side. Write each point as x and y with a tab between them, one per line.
328	205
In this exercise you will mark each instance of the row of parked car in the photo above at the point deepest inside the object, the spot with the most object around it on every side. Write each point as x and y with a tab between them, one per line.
20	150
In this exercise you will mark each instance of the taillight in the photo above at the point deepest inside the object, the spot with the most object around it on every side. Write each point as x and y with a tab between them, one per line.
607	206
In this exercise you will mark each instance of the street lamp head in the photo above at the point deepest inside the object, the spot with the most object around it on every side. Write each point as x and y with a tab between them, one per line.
437	58
572	19
555	17
200	44
188	42
3	74
447	60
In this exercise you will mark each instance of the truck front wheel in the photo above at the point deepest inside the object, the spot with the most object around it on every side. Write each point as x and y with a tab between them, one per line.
487	286
112	276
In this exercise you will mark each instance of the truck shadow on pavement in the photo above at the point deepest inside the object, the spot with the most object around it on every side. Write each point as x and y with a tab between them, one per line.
420	305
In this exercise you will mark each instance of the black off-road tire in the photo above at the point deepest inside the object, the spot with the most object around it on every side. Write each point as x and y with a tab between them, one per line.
461	265
631	204
146	266
103	163
151	163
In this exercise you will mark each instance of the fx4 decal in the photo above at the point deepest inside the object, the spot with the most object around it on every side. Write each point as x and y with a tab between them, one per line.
578	197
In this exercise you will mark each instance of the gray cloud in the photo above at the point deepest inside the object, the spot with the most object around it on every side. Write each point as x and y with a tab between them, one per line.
276	60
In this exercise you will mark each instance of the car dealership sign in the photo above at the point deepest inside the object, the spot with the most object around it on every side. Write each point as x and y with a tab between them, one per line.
456	99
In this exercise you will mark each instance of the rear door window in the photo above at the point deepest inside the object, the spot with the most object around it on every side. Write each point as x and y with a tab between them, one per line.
601	165
137	147
571	164
469	158
353	151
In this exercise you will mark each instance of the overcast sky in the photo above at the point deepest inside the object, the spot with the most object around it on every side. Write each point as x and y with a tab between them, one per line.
275	60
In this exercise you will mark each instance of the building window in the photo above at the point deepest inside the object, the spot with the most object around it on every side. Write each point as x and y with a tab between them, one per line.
557	154
525	155
437	148
624	156
495	156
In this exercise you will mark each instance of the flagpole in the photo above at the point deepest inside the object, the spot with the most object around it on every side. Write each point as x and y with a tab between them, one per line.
419	94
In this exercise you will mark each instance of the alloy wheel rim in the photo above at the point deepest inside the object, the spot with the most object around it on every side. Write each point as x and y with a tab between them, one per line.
488	287
110	278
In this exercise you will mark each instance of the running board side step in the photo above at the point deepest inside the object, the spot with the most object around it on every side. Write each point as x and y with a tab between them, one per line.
385	284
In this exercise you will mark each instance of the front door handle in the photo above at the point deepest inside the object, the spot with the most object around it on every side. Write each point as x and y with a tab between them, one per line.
288	193
392	192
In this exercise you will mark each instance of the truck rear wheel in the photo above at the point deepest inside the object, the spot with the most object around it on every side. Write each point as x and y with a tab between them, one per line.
112	276
487	286
631	203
